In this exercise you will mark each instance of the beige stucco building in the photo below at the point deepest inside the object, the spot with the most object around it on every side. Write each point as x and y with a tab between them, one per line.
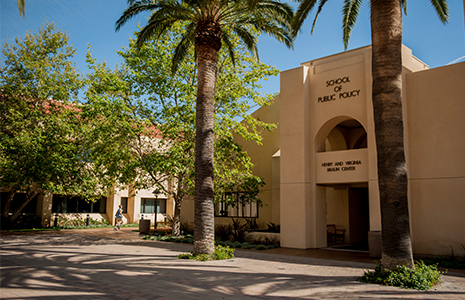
137	204
320	164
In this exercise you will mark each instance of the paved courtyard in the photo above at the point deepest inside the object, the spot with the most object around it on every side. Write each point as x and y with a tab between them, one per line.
103	264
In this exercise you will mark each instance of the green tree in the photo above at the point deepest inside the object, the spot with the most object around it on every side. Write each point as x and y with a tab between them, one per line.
386	36
207	24
160	121
42	138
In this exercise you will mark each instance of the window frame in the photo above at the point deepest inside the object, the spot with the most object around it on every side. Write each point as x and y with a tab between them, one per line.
244	207
143	205
73	205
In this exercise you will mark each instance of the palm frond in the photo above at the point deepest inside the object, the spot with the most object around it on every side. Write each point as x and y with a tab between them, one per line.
252	4
305	7
229	45
276	11
21	8
403	3
162	19
350	12
182	49
234	16
247	38
151	30
131	2
442	9
281	33
320	8
134	9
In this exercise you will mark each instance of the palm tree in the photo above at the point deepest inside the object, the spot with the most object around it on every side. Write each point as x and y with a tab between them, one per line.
208	24
386	36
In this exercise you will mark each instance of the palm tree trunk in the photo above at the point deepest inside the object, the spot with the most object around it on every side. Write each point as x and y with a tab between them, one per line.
204	233
386	28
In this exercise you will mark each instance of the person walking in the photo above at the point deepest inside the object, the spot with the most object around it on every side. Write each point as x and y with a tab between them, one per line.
119	218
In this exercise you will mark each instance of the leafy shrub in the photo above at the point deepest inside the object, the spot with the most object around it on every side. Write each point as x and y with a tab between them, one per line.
249	246
272	227
187	239
185	256
187	228
229	243
220	253
237	245
420	277
23	221
267	240
251	223
223	253
239	231
223	231
261	247
273	240
69	221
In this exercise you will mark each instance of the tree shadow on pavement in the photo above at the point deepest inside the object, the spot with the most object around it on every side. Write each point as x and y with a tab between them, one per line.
89	268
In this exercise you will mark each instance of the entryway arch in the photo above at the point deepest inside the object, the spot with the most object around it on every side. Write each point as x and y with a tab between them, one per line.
341	133
342	177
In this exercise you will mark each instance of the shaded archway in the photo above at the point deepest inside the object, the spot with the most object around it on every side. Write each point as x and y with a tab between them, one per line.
347	134
346	200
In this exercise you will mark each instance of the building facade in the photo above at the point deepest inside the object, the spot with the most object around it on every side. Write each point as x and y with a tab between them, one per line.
137	204
321	165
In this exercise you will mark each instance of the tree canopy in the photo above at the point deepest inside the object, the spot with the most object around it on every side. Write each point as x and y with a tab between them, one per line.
156	112
43	141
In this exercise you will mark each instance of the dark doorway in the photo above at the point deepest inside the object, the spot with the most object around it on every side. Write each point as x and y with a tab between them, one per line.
359	216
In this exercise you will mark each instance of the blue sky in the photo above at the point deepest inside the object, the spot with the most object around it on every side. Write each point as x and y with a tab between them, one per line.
92	22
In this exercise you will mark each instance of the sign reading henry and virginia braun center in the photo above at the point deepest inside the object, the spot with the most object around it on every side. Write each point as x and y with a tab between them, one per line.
342	166
337	90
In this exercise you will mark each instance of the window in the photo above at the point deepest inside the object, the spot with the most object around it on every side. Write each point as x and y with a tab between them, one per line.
150	206
18	200
237	204
67	204
124	204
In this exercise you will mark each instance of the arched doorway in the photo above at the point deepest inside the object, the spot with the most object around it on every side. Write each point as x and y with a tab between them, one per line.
347	201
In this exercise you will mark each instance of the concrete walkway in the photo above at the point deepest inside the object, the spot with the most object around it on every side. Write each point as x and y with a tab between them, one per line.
104	264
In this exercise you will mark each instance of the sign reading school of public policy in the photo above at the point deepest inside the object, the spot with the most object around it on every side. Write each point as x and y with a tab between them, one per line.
336	90
342	166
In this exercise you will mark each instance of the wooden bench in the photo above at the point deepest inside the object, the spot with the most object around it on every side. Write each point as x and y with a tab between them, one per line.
162	226
333	233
